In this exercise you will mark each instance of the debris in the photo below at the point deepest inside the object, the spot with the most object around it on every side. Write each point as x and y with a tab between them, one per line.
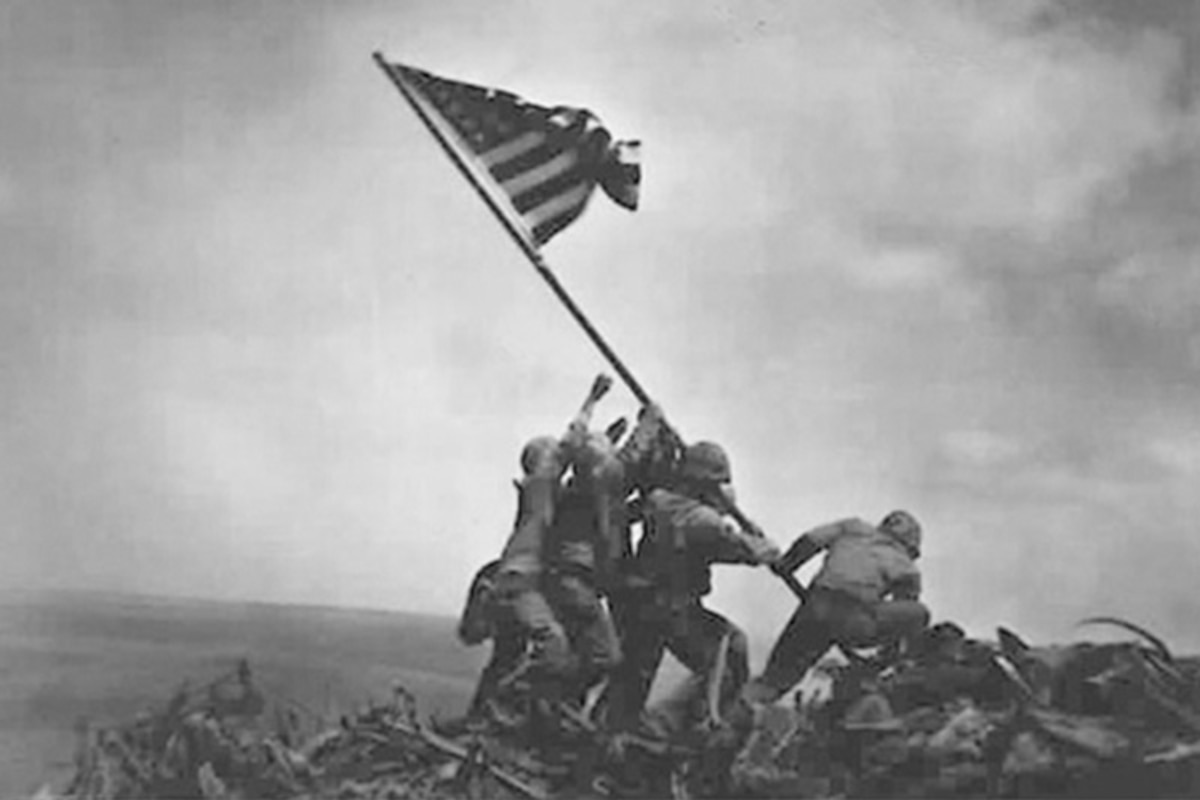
871	712
963	735
956	718
1091	735
1028	754
472	756
1179	752
1156	642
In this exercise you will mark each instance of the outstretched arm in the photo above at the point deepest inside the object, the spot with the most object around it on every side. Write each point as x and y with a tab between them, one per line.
644	448
762	548
799	554
726	540
812	542
577	430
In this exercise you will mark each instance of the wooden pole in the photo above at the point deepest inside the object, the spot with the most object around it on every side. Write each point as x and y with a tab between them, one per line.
518	235
522	240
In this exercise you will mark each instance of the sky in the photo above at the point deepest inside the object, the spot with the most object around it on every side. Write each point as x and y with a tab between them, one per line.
258	339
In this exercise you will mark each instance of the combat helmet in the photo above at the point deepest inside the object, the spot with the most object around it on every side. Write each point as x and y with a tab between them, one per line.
540	455
904	528
706	462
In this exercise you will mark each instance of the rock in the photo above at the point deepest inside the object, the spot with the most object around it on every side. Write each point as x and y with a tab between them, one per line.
1093	736
964	735
871	712
1028	754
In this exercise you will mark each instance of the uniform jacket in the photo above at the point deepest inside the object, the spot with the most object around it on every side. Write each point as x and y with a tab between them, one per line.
523	552
573	540
865	562
684	538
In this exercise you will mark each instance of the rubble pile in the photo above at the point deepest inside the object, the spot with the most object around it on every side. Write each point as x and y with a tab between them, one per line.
965	718
957	717
226	741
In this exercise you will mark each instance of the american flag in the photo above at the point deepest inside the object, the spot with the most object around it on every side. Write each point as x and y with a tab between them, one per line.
545	162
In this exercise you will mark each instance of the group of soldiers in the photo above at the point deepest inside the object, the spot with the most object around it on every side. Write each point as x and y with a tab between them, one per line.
582	616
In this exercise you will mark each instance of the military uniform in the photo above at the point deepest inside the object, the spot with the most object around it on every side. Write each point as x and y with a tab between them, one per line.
563	547
866	594
572	585
519	597
588	542
683	538
481	621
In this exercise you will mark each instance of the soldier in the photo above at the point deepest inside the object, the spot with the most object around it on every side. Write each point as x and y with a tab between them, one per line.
545	593
480	621
520	601
582	545
866	594
589	544
685	534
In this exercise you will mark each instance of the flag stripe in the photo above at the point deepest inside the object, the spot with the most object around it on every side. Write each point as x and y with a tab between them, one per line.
543	233
525	161
518	185
571	200
540	164
512	148
547	229
550	189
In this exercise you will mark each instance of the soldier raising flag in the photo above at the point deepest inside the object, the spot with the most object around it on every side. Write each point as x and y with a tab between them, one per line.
536	168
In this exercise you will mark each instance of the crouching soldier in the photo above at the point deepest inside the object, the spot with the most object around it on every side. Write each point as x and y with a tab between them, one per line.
686	532
537	594
867	594
481	621
520	603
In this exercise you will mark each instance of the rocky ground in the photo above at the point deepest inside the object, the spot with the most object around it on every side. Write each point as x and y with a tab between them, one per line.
956	717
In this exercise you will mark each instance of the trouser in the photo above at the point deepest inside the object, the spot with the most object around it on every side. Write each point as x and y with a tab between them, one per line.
522	607
588	627
697	638
827	618
508	647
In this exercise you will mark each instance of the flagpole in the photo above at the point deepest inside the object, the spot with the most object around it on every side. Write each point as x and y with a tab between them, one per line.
518	236
539	264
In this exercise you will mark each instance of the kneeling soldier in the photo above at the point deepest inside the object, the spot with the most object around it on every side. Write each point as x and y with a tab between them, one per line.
866	594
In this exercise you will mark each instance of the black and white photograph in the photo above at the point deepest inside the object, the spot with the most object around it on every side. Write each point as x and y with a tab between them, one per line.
546	399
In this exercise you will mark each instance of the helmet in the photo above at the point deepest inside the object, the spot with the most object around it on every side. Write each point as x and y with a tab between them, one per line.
538	453
476	624
706	461
904	528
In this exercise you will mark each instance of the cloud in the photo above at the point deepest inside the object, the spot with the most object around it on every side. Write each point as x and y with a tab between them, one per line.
8	193
964	152
919	117
951	122
1092	517
1157	288
1181	454
981	448
210	455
